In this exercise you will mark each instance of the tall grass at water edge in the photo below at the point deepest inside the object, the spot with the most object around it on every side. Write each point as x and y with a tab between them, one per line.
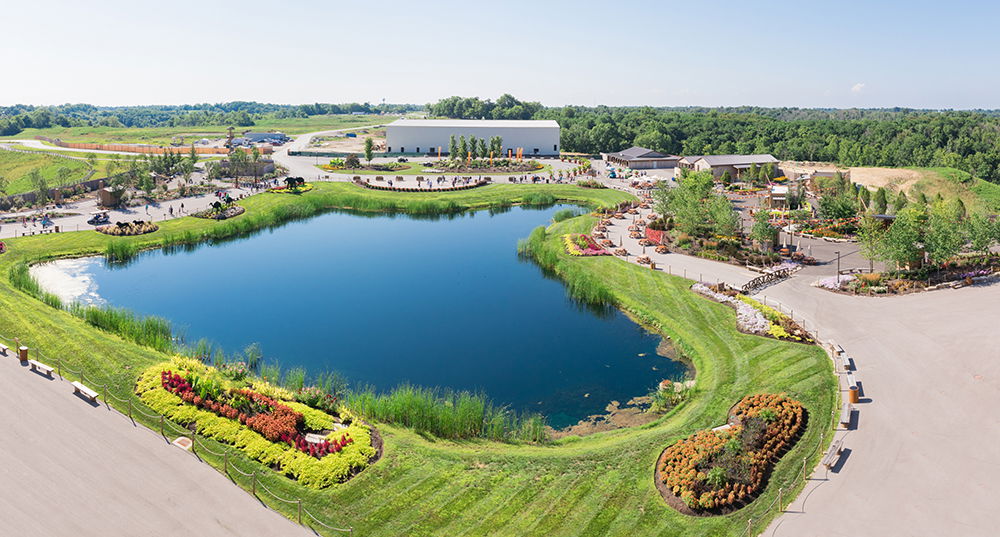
447	414
580	285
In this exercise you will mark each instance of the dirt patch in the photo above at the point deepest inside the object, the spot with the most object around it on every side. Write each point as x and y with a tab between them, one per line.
896	179
632	414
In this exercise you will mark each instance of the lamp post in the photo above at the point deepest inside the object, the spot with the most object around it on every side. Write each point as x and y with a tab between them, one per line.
838	267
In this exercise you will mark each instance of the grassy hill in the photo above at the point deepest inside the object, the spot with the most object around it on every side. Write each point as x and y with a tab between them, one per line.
978	195
166	135
16	167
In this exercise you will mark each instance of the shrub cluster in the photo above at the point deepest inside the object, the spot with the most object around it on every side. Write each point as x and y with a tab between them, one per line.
128	229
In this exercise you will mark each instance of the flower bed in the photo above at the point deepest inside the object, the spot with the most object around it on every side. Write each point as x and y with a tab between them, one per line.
298	189
753	317
261	420
718	471
220	213
582	245
128	229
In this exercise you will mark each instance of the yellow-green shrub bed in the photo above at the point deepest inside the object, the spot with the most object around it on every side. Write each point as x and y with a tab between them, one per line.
309	470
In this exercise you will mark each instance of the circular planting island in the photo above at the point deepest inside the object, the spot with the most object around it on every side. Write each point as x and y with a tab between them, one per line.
128	229
720	470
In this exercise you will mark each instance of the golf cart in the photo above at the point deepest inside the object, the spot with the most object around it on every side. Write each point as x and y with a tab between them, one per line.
98	218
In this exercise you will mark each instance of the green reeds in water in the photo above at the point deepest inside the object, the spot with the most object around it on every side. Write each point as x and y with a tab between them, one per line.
446	414
120	251
151	331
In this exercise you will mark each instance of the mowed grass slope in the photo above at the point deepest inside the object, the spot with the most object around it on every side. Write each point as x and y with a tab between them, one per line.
16	166
596	485
166	135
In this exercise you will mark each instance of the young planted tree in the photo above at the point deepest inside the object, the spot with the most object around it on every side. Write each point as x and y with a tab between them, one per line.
453	147
982	233
463	148
865	197
369	149
92	160
193	156
351	162
255	159
943	237
899	203
901	244
483	151
880	204
762	231
724	219
4	185
40	186
725	178
870	234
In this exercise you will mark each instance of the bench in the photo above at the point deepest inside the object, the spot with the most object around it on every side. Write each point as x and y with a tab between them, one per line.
4	349
833	455
845	415
84	391
837	349
851	383
40	367
845	362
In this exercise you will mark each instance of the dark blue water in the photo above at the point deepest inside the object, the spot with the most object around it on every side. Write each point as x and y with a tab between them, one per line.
385	300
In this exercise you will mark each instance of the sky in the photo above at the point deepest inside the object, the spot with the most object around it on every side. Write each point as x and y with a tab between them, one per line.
916	53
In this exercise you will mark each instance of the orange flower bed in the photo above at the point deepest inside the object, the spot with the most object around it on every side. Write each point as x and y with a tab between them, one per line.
723	470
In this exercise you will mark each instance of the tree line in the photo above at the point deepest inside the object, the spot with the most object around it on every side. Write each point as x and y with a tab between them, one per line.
967	140
14	119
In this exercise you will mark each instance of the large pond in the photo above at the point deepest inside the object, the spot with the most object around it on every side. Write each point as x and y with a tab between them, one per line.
386	300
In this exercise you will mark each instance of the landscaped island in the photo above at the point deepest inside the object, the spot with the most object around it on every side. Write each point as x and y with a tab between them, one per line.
594	485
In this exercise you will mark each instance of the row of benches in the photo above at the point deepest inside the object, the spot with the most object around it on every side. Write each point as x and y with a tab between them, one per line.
39	367
844	363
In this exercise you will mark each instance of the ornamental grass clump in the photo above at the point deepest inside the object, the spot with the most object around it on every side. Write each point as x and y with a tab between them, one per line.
719	471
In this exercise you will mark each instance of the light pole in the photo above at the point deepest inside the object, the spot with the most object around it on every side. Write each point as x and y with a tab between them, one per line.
838	267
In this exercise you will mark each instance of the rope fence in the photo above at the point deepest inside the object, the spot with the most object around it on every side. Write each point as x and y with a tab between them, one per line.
166	426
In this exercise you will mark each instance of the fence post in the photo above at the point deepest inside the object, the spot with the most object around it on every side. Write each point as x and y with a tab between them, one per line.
300	512
804	469
129	408
161	426
779	500
59	369
105	394
225	462
253	480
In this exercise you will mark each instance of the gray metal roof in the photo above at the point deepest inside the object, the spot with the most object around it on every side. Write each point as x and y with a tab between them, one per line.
691	159
466	123
737	160
636	153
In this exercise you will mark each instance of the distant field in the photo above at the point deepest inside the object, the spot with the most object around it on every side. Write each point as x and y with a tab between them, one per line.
17	166
167	135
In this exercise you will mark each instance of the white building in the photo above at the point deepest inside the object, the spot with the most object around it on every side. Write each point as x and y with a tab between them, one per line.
425	136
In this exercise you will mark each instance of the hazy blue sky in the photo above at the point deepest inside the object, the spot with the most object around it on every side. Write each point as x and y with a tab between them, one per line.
665	53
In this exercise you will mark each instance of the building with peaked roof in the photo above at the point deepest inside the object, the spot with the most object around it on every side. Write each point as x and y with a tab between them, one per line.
734	164
425	136
640	158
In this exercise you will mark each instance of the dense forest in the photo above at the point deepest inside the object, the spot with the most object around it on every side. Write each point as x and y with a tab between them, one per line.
967	140
13	119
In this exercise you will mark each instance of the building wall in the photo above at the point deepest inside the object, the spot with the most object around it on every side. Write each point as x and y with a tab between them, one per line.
426	139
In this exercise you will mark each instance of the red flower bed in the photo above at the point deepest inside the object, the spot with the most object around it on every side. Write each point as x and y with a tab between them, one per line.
654	235
262	414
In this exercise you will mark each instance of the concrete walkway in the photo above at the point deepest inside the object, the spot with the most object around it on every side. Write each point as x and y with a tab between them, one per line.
70	468
921	456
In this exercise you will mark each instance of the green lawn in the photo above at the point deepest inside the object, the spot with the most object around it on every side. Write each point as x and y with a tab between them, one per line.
416	168
166	135
596	485
16	167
